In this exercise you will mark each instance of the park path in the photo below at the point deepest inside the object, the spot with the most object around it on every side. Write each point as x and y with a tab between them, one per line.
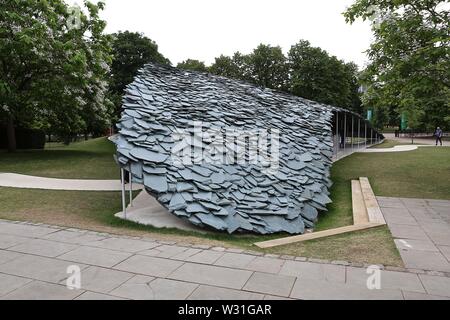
422	141
34	260
15	180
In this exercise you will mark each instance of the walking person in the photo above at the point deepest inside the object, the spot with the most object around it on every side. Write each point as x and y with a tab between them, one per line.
438	134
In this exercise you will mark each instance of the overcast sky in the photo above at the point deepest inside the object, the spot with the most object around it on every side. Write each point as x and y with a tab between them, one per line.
204	29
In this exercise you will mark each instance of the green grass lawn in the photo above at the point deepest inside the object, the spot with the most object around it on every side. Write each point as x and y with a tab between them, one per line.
420	173
91	159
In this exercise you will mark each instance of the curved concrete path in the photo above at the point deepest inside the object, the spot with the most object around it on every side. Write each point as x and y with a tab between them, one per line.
400	148
15	180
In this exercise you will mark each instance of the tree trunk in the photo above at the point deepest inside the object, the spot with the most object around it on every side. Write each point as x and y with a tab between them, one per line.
11	133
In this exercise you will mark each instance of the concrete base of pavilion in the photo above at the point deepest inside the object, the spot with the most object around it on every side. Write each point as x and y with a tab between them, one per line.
146	210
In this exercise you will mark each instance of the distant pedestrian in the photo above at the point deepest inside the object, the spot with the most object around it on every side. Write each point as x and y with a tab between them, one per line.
438	134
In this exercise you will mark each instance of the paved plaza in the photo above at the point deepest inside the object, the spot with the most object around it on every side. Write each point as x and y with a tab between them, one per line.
34	262
421	229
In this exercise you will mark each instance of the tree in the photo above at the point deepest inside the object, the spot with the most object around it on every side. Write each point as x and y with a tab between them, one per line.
52	60
131	51
267	67
316	75
192	64
409	58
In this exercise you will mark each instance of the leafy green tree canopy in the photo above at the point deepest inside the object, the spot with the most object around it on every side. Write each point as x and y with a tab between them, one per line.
131	50
409	58
53	63
192	64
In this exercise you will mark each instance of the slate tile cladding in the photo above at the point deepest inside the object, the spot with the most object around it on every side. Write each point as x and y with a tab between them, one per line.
167	111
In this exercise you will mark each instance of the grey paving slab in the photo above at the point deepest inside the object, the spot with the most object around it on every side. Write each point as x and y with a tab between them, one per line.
442	210
164	251
407	232
269	297
273	284
38	290
426	214
444	203
102	280
120	244
206	256
422	296
10	283
264	264
396	212
95	256
149	288
314	271
388	279
8	240
317	290
186	254
151	266
411	244
25	230
440	239
212	275
89	295
413	202
400	219
165	289
73	237
384	203
204	292
136	288
39	268
425	260
445	250
436	228
235	260
6	256
44	248
439	286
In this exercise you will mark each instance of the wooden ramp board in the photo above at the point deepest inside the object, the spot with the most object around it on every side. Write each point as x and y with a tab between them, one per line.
372	207
315	235
358	206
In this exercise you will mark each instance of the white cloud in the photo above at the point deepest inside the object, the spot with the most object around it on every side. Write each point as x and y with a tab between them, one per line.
204	29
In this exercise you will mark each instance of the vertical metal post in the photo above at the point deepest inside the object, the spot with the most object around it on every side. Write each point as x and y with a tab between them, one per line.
365	134
353	130
359	130
131	187
338	140
371	135
122	181
345	130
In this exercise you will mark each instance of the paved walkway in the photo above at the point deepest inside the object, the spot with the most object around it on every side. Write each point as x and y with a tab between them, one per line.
34	261
424	141
421	229
15	180
399	148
